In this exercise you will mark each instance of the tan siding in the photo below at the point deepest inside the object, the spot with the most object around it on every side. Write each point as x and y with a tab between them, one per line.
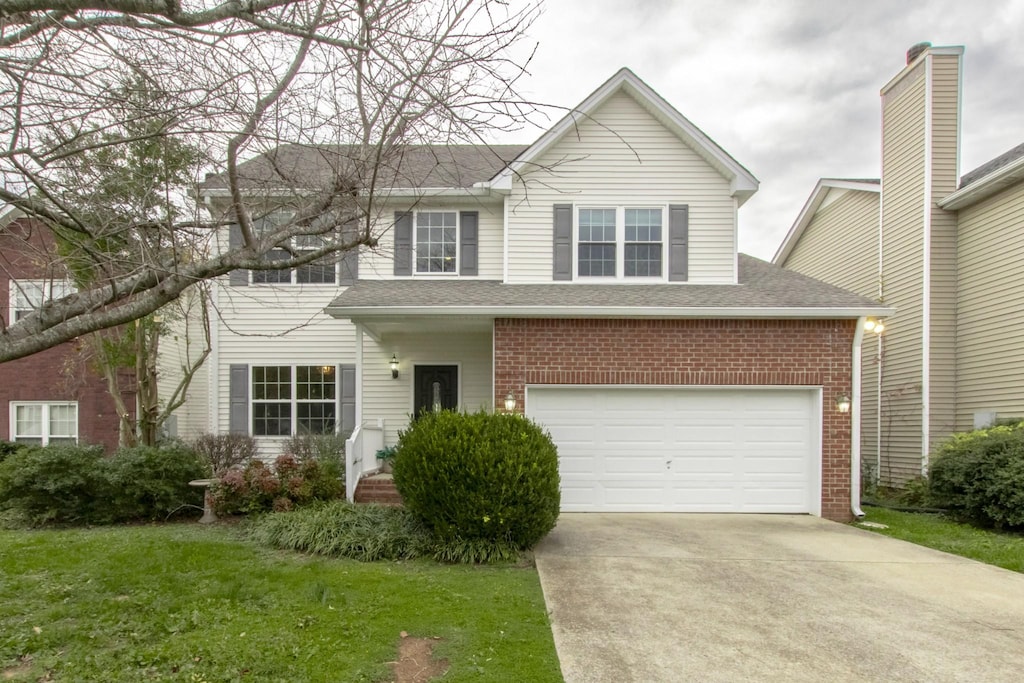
378	263
902	277
840	246
942	351
990	333
391	400
180	348
622	155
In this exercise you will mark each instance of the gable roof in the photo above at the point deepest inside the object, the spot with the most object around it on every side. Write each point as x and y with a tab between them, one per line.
991	177
411	166
764	291
814	203
743	182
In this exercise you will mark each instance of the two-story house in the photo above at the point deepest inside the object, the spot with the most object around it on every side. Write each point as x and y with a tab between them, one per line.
945	251
590	281
54	396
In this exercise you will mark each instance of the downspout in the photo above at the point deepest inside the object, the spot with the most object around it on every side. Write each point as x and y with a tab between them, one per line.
858	338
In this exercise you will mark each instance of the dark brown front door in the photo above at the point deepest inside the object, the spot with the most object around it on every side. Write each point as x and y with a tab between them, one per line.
437	387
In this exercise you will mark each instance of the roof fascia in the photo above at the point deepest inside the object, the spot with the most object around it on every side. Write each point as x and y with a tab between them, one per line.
743	184
986	186
811	208
358	312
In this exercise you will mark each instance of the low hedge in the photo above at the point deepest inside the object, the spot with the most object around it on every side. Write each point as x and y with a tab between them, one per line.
482	483
77	484
979	476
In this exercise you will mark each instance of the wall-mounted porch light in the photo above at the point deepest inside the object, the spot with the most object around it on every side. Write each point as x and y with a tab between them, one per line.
394	366
510	402
843	403
873	325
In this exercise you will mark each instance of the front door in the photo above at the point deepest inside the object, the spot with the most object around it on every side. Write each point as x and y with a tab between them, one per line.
437	388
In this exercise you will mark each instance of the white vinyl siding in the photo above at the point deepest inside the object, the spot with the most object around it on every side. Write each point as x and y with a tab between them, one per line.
622	156
902	274
990	330
392	399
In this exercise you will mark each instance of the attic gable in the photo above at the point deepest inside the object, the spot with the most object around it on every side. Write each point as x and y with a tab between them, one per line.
742	183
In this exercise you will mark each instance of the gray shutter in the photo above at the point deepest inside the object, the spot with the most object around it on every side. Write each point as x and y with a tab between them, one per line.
347	398
403	243
236	278
238	398
678	241
469	243
348	265
562	253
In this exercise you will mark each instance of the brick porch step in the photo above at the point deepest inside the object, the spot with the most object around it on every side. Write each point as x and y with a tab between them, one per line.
377	488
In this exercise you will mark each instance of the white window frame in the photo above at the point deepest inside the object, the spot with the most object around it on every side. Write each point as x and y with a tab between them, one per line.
293	400
620	245
458	244
45	435
46	287
293	273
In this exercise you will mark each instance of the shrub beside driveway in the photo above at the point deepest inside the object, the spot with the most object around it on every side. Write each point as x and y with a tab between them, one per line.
191	603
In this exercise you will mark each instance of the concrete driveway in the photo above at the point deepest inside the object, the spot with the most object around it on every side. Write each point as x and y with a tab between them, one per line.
673	597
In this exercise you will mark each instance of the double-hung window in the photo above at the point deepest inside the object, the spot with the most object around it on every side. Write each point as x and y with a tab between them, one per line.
42	423
293	399
437	239
28	295
313	273
620	242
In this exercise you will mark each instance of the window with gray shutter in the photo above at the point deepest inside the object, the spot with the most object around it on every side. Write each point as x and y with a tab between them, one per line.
347	399
236	278
678	242
562	247
348	265
238	399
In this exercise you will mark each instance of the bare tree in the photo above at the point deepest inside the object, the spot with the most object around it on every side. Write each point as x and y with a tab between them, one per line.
359	79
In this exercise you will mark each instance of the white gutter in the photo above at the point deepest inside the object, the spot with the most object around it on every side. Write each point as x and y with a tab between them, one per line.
858	338
604	312
926	293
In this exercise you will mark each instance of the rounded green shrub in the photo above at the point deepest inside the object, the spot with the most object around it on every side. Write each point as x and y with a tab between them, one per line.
979	476
486	476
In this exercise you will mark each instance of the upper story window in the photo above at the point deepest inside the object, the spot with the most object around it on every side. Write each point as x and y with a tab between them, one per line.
293	399
318	273
620	242
28	295
437	241
42	423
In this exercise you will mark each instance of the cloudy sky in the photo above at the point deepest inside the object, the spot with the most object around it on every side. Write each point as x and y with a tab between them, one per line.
789	88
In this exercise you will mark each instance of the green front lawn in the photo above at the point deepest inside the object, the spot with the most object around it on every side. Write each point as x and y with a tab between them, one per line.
192	603
936	531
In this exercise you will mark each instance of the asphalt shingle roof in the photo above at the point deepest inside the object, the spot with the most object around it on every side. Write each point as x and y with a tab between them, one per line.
761	285
993	165
410	166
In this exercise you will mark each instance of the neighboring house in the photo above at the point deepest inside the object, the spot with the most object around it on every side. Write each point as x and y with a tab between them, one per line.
53	396
946	256
590	281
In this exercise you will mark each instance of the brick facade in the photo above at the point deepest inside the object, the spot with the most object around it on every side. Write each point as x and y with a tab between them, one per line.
57	374
691	353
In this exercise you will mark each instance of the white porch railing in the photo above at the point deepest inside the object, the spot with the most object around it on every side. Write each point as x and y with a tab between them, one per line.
361	455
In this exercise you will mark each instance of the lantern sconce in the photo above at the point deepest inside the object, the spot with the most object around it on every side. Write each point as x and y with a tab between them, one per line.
510	402
874	325
394	366
843	403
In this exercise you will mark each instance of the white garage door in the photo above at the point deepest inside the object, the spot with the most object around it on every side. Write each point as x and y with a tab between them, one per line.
683	449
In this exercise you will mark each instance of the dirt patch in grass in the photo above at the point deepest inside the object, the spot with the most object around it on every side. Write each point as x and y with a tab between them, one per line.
18	670
416	663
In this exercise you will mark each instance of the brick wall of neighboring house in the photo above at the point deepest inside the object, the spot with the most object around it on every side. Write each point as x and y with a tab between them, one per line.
691	352
58	374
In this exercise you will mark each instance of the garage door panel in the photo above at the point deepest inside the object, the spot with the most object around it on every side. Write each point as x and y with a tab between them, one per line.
682	449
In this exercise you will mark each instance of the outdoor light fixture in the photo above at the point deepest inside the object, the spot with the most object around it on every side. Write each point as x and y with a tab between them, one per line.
843	403
872	325
510	402
327	369
394	366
